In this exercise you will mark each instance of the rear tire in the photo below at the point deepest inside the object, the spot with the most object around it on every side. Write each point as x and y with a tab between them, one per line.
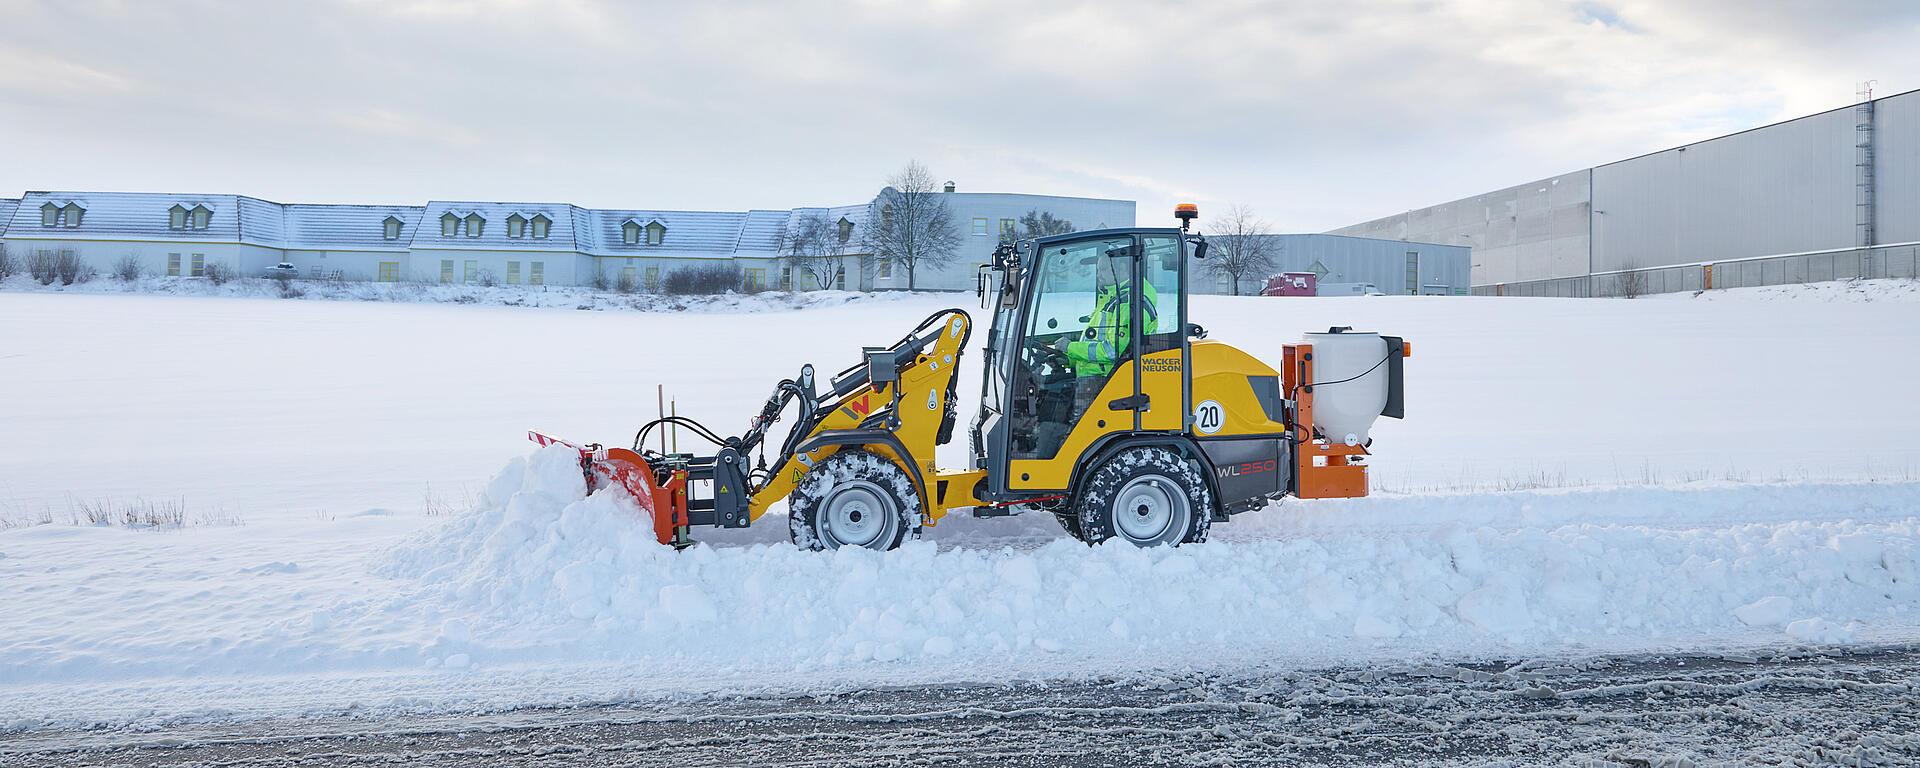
1148	497
853	499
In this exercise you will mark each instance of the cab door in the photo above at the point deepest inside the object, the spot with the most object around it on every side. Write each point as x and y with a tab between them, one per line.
1162	326
1073	377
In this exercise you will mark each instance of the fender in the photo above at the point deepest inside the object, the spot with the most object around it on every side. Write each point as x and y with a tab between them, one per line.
882	437
1107	445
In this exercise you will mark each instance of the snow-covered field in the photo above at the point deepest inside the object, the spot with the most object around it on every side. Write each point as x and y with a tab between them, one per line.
1573	476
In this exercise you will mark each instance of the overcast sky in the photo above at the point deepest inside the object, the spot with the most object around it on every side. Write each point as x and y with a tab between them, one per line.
1318	114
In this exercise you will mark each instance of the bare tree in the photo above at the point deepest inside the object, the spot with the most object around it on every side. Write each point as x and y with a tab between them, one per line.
913	227
1239	245
8	265
1631	282
1038	223
813	246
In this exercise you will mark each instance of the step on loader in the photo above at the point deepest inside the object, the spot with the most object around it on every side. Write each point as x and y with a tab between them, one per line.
1101	404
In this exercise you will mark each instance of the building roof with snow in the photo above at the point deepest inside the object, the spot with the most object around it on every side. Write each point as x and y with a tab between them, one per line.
351	227
471	225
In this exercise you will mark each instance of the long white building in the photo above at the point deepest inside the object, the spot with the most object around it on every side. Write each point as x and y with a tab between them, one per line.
457	241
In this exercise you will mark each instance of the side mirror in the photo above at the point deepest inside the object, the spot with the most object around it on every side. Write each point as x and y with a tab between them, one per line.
1200	249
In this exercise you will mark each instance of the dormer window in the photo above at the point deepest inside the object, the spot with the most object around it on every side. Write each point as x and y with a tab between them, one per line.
656	233
177	217
630	232
199	217
391	228
541	225
449	225
516	226
475	224
54	214
846	229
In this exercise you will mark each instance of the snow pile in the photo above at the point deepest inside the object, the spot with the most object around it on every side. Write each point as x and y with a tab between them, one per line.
542	572
538	546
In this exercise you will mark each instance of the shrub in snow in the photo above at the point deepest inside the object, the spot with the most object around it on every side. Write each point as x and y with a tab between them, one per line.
600	282
8	264
217	273
41	266
128	268
702	281
626	283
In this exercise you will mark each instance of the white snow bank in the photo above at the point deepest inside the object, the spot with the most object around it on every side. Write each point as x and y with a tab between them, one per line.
537	543
542	573
543	594
1834	291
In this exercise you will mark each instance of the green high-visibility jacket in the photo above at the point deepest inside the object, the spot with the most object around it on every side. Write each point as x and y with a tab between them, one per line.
1109	329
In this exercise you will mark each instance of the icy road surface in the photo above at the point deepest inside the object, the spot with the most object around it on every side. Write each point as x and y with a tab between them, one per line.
1855	708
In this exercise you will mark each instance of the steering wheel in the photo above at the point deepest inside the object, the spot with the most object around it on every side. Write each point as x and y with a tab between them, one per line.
1048	364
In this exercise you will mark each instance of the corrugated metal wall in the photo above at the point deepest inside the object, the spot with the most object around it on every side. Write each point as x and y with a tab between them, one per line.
1531	231
1897	172
1773	205
1358	260
1787	188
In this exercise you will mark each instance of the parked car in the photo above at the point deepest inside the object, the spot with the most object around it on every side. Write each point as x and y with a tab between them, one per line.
282	270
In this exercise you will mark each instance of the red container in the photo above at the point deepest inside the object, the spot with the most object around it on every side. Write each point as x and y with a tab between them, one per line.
1292	284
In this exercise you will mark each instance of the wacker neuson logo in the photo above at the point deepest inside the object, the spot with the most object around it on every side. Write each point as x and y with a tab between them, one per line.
1160	365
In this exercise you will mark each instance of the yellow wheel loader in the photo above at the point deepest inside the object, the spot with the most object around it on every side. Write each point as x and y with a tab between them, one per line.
1102	405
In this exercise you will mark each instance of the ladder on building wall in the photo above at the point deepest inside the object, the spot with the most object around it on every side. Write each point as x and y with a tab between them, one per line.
1863	165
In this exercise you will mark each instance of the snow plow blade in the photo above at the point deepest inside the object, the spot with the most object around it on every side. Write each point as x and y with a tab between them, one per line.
625	469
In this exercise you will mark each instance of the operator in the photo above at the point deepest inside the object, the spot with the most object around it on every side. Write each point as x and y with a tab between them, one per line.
1110	326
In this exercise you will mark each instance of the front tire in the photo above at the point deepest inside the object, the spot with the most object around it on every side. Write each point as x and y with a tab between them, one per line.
854	499
1148	497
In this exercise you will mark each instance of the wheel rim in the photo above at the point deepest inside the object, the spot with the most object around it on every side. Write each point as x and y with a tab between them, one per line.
858	514
1147	509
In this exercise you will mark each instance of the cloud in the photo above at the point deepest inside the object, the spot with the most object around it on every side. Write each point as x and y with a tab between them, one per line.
1316	114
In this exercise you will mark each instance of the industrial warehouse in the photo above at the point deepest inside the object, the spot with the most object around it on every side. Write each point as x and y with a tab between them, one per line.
1829	196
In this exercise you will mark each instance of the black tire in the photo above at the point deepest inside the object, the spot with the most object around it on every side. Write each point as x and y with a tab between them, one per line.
853	498
1070	523
1166	498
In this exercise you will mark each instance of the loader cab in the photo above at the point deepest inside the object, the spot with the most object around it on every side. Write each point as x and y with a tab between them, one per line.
1087	345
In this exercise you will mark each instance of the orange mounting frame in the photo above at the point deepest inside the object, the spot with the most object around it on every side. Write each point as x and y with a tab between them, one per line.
1323	469
625	468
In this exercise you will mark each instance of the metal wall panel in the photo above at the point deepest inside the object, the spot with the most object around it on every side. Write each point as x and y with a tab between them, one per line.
1359	260
1785	188
1897	168
1531	231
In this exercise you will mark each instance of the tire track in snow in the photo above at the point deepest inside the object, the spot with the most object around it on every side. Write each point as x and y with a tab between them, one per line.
1774	707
